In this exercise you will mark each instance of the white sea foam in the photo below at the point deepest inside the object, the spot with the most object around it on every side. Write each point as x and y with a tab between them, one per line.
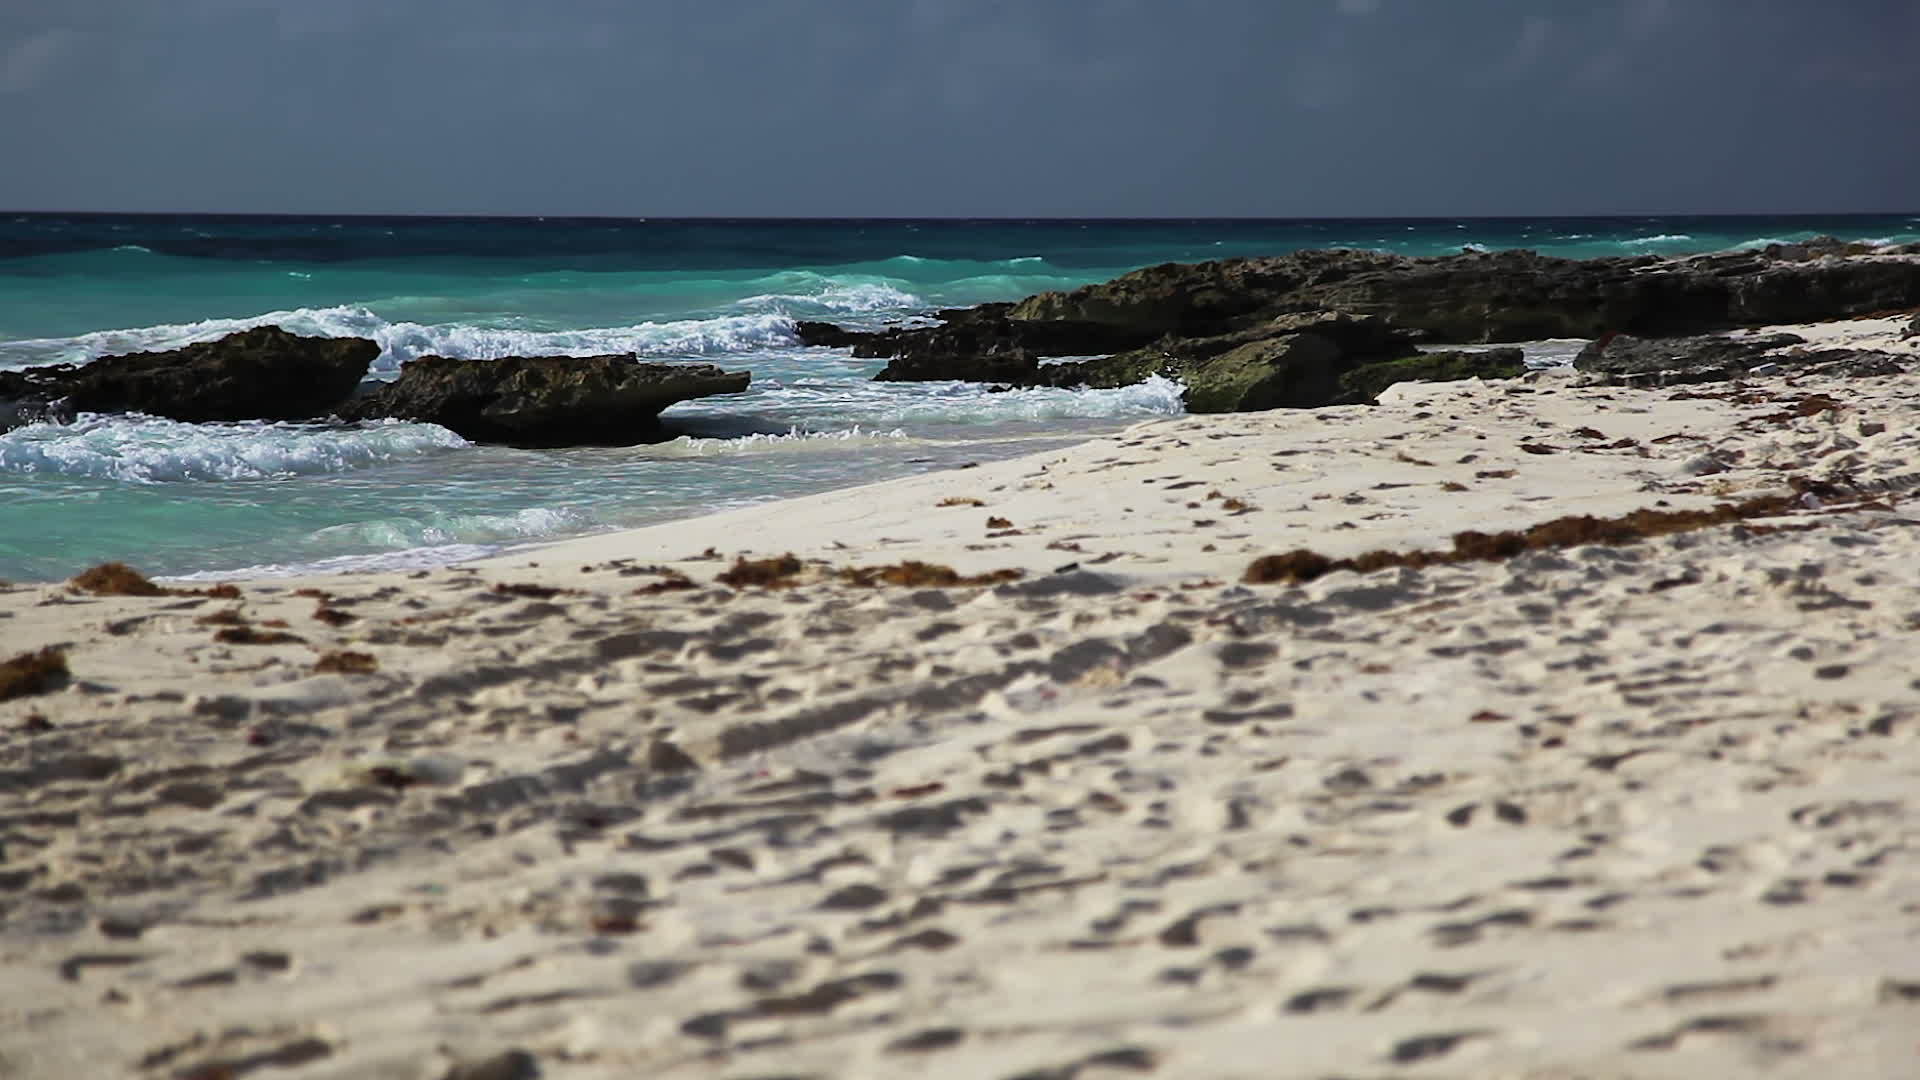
1660	238
403	341
385	561
967	403
857	298
442	529
794	440
145	449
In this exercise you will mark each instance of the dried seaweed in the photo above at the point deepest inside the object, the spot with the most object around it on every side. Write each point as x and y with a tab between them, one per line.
671	581
33	673
1301	565
345	662
915	574
247	635
528	590
774	573
119	579
116	579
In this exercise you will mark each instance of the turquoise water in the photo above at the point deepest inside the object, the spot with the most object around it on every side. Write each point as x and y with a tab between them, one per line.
184	499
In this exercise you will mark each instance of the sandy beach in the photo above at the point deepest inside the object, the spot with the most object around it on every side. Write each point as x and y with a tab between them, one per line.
667	803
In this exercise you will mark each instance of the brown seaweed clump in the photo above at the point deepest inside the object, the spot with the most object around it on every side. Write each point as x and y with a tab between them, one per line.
924	575
33	673
529	590
119	579
669	582
1300	564
774	573
247	635
116	579
346	662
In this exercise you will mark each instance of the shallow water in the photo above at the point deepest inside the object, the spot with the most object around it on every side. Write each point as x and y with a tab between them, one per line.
180	499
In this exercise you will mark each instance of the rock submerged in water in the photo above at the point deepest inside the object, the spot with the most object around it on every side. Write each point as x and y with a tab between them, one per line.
1299	360
1256	333
1498	296
1294	360
544	401
264	373
267	373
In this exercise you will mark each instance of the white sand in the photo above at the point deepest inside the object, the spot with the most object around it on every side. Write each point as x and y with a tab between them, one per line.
1639	811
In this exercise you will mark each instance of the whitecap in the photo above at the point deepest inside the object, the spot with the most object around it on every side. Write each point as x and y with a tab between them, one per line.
832	296
442	529
404	341
421	558
794	440
152	450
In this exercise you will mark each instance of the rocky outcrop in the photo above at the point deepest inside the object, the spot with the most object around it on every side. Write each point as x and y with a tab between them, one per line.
1300	361
264	373
542	401
1631	361
1497	296
982	345
1707	356
1297	329
1364	383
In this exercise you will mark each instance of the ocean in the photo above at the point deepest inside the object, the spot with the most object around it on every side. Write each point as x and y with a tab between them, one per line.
215	500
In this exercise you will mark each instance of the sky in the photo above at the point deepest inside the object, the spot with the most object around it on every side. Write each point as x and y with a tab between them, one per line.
876	108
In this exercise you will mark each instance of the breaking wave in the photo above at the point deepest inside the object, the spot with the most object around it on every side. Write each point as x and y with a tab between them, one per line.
152	450
403	341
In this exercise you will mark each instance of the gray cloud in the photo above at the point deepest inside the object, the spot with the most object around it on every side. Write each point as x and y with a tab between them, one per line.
28	61
964	107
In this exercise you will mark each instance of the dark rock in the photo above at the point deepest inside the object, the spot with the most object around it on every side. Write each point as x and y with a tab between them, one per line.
544	400
1254	333
827	335
264	373
19	413
1298	360
1819	247
1186	299
1913	327
1291	370
983	345
1849	363
1625	355
1364	383
1679	361
513	1064
1493	296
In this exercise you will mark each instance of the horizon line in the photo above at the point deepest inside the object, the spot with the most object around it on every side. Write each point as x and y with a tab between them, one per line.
832	218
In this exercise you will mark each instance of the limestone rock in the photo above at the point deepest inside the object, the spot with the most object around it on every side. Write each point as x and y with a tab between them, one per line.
264	373
540	401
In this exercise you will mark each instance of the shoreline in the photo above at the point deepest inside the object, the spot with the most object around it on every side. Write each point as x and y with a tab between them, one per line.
1641	809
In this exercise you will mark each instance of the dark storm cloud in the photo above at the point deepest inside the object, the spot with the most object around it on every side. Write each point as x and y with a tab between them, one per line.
960	107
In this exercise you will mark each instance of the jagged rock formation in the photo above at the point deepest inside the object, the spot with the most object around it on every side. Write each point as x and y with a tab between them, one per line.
540	401
1256	333
264	373
1496	296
